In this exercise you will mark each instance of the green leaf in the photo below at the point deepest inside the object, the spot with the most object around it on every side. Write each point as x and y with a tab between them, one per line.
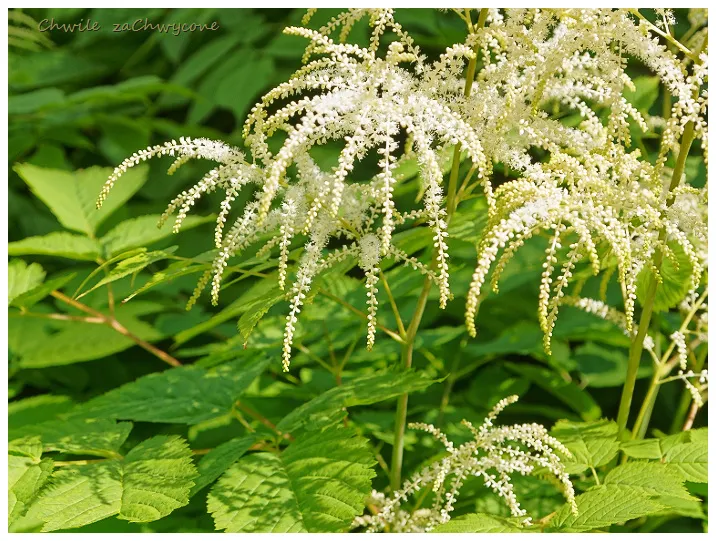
79	436
79	495
22	277
57	244
242	77
72	196
157	476
173	271
131	265
480	523
675	282
646	93
143	231
317	484
329	406
603	506
34	410
602	366
591	444
252	295
256	310
660	481
30	102
36	294
79	341
149	483
566	391
629	491
26	476
691	459
218	460
687	451
186	394
29	446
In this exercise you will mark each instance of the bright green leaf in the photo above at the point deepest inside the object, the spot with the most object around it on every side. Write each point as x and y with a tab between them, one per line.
22	277
218	460
132	265
143	231
317	484
72	196
36	294
149	483
57	244
480	523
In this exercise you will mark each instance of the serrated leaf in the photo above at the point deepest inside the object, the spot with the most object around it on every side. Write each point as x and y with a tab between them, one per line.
645	449
149	483
57	244
99	437
157	476
27	446
132	265
218	460
143	231
629	491
691	459
674	284
78	495
317	484
659	448
365	390
26	476
480	523
36	294
72	196
603	506
653	478
79	341
186	394
22	277
591	444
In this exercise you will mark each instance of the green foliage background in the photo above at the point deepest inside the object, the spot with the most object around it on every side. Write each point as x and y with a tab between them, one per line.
81	104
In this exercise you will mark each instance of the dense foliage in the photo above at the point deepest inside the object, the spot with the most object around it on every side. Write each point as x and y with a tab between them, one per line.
349	189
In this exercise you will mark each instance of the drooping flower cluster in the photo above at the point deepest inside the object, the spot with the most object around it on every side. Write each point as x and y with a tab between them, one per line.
599	197
495	454
583	181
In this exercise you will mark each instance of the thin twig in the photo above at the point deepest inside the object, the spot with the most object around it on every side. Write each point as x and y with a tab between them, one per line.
117	326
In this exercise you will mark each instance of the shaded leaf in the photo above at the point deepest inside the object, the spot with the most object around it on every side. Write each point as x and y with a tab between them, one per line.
187	394
329	406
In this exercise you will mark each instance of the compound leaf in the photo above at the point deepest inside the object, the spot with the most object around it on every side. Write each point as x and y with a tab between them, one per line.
318	484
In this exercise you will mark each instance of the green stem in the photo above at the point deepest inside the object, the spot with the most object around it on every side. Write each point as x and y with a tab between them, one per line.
637	343
642	421
401	412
